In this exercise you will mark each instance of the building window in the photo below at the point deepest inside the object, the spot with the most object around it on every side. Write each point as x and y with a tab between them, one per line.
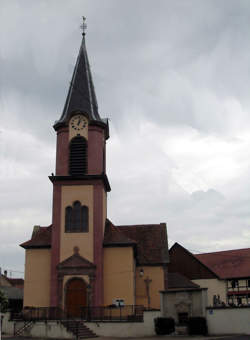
248	283
239	300
78	156
77	218
235	283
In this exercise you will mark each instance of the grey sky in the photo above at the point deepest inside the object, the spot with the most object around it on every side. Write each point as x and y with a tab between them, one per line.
174	79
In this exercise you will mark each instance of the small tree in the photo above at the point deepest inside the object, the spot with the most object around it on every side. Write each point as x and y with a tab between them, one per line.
3	302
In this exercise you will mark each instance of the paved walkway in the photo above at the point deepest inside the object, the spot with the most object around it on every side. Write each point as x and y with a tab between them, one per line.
157	337
185	337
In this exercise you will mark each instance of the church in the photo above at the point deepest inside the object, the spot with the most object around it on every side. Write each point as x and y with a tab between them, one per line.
82	259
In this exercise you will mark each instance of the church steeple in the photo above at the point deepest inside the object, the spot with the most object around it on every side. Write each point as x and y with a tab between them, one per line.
81	96
80	185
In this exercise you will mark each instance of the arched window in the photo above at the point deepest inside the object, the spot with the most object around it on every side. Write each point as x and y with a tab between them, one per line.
68	218
78	156
77	218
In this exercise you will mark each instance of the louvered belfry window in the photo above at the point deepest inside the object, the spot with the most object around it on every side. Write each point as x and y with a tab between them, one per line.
78	158
76	218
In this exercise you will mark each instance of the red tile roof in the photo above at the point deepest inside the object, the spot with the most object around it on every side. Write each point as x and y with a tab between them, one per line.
177	280
184	262
114	236
40	238
16	282
150	240
229	263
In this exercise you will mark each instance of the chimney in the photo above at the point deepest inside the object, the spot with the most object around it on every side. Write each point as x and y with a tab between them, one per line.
35	230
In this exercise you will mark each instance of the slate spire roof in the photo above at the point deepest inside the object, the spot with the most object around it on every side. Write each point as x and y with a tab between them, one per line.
81	95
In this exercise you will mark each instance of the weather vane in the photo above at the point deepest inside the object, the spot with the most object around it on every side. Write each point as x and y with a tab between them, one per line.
84	25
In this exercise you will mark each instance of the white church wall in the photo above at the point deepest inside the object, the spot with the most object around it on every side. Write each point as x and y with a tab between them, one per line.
126	329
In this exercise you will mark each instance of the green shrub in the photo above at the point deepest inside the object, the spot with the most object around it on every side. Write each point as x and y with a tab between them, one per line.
3	302
197	325
164	325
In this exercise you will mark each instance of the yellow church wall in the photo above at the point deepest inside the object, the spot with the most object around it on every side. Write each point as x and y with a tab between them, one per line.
37	278
84	241
156	274
119	275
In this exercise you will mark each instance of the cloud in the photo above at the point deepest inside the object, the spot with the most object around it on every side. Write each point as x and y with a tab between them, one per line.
172	78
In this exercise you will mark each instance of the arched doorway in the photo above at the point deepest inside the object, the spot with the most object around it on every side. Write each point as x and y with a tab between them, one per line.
76	297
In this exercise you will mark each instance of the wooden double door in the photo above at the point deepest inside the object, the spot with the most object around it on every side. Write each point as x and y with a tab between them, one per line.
76	297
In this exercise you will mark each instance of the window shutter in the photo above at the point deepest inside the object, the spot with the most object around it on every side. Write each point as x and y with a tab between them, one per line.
78	159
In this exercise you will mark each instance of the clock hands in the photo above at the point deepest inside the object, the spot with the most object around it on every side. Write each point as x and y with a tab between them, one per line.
78	123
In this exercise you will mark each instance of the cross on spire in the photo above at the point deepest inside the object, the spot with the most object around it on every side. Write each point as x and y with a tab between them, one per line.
83	25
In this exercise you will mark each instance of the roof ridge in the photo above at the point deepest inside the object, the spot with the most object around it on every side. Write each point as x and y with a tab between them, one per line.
116	230
42	228
139	225
222	251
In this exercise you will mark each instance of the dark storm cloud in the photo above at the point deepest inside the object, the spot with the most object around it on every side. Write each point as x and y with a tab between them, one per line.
163	58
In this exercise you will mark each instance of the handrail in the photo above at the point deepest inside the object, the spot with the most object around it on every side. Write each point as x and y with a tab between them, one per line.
39	313
105	313
113	313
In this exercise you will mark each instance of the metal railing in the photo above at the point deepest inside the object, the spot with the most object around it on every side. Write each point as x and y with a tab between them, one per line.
129	313
40	313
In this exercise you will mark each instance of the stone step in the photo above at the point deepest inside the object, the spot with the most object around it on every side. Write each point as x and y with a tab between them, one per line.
181	330
78	328
26	326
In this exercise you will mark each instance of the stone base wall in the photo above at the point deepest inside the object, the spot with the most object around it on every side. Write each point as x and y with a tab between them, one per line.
126	329
228	320
50	329
54	329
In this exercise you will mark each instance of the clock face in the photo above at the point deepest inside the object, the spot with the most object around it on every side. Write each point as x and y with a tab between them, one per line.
78	122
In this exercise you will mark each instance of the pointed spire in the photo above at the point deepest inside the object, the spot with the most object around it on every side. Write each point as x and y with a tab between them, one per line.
81	95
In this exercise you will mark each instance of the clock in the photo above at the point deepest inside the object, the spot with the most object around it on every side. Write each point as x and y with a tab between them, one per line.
78	122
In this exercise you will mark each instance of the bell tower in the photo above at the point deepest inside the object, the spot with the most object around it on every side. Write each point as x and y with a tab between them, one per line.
80	187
